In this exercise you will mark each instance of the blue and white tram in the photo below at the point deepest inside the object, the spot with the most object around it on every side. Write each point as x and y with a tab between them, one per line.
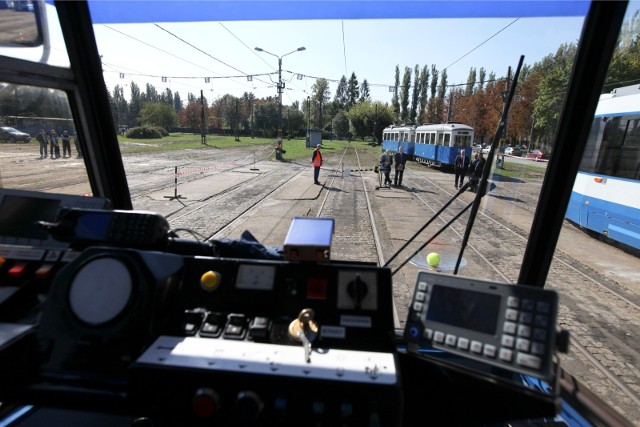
395	136
439	144
606	192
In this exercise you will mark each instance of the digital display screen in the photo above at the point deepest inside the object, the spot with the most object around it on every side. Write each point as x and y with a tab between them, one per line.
19	214
476	311
93	225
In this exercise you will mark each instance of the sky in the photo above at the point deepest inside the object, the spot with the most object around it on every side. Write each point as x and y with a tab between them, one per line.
181	56
187	53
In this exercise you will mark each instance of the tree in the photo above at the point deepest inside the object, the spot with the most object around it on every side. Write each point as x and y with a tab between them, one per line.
177	103
150	94
320	97
424	85
482	74
353	92
363	116
442	90
413	113
395	103
365	94
555	71
119	106
158	115
404	95
167	97
342	98
471	81
135	103
294	120
191	116
341	124
431	107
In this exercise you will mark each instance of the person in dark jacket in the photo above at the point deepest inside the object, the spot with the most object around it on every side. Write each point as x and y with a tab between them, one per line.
475	171
385	165
54	146
460	167
401	161
66	144
42	140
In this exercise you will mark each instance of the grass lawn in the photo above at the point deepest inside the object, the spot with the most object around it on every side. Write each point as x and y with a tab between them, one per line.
295	148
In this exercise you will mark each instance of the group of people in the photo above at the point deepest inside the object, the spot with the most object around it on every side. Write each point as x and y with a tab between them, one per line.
387	160
463	166
51	141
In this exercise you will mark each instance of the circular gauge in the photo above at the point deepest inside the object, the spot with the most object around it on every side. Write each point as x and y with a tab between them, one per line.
100	291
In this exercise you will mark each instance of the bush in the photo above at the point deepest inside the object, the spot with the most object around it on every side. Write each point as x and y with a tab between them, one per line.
146	132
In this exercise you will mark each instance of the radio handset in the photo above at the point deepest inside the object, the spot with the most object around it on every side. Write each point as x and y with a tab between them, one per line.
90	227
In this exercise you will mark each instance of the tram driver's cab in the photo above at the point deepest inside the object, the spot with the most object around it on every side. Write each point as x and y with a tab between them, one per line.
104	311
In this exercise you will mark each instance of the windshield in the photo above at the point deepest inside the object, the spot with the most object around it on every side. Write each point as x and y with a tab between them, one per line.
219	124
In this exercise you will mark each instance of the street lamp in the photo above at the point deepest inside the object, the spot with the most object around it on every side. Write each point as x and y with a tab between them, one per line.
308	121
280	84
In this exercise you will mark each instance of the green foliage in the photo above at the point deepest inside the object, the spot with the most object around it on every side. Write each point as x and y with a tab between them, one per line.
161	115
144	132
404	95
365	115
555	71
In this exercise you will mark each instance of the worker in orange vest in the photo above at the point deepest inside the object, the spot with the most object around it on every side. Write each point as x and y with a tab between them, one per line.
316	160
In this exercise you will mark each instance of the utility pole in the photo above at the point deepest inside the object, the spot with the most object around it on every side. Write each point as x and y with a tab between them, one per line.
280	85
505	94
203	126
251	99
308	120
237	123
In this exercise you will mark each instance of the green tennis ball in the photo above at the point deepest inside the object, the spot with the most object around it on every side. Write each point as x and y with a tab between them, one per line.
433	259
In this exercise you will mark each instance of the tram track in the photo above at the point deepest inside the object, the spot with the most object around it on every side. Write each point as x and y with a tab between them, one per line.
363	199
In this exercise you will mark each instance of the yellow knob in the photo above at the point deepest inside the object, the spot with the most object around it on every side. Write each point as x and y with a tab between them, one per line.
210	281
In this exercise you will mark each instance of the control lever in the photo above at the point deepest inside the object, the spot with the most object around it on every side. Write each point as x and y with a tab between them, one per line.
304	330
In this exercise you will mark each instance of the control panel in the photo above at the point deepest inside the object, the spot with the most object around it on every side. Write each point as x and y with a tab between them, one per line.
200	339
29	256
507	326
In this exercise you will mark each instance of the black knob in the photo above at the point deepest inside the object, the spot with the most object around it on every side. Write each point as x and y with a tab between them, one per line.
248	407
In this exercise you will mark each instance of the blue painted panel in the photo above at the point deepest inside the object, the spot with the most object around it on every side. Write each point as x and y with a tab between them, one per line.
139	11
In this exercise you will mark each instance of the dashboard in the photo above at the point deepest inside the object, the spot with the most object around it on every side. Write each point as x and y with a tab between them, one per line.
101	311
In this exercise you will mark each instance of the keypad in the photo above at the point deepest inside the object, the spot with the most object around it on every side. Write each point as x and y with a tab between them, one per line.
519	343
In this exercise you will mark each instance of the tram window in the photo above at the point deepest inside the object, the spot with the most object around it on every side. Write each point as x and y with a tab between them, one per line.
57	166
447	139
618	153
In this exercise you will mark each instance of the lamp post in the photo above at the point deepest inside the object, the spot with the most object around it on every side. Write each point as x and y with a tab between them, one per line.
280	85
308	121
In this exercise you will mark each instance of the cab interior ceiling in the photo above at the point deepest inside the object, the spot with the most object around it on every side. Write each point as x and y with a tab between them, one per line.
598	39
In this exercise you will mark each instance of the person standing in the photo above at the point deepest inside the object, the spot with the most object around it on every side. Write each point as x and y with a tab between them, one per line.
316	161
401	160
475	171
54	146
41	137
460	167
385	165
66	144
76	143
